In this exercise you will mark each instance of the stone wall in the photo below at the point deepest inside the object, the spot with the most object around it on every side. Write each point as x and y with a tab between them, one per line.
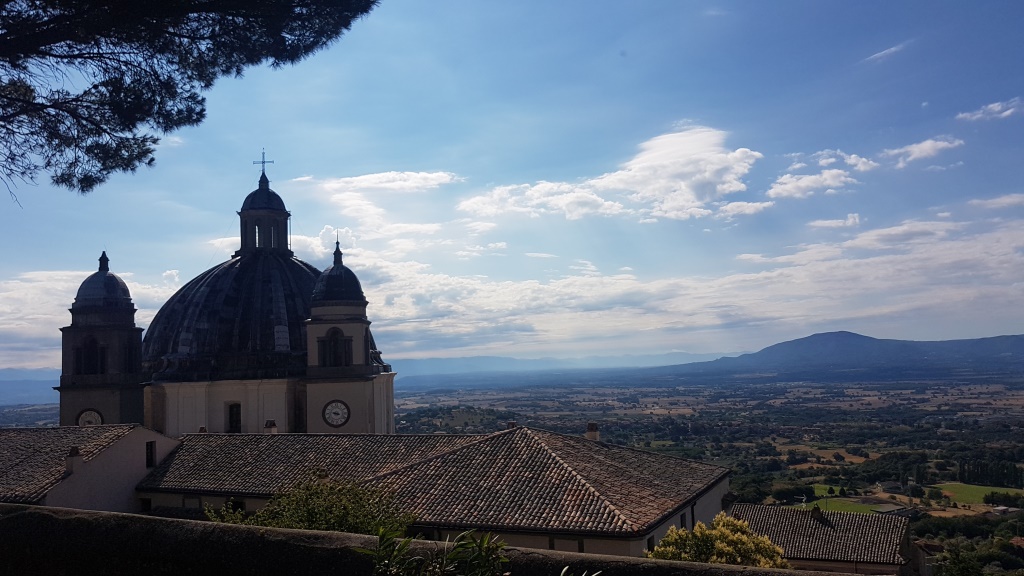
57	541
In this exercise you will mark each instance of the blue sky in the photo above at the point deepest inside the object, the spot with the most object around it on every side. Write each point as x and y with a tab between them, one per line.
573	178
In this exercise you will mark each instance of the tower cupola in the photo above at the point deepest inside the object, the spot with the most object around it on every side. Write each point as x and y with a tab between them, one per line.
264	221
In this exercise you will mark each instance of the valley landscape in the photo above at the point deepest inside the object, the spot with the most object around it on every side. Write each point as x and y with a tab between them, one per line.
844	421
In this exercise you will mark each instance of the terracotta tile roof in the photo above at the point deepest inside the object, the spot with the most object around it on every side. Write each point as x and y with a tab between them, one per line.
519	479
837	536
262	465
32	460
529	479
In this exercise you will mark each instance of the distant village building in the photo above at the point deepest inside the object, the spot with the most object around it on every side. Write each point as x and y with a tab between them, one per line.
263	340
832	541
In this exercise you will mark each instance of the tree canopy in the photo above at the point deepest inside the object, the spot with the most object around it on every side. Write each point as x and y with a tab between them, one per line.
728	541
325	505
86	86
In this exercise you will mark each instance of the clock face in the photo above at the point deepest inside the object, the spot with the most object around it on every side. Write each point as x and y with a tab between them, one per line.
336	413
90	418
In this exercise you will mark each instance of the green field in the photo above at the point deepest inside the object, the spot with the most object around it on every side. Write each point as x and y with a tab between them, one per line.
821	490
970	494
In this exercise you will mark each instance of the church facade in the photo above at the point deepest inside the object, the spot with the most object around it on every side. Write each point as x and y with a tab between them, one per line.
263	342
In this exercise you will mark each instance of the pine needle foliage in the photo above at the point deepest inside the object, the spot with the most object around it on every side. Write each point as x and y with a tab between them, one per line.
87	86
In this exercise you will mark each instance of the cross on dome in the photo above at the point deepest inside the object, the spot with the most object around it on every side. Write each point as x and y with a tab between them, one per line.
263	161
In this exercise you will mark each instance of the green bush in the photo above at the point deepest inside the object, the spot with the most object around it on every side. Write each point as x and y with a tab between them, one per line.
324	505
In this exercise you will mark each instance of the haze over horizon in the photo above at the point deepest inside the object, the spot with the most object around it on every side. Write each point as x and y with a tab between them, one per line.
562	180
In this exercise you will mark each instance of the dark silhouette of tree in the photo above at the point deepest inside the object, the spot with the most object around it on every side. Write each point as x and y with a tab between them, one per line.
87	85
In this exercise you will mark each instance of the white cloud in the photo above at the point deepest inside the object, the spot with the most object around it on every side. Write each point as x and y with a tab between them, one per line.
858	163
903	235
476	228
674	176
585	267
994	111
170	276
1006	201
390	181
937	168
732	209
491	249
893	276
539	255
852	220
677	174
227	245
172	141
879	56
925	149
311	247
571	200
804	185
796	166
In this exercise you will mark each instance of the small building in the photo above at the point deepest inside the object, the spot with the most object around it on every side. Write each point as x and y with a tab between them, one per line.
832	541
87	467
530	487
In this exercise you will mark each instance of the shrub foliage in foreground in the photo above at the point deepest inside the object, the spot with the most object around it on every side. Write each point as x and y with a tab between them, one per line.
467	555
324	505
727	541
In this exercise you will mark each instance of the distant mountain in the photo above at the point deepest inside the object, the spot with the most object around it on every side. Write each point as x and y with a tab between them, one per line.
30	374
430	366
835	352
828	357
28	392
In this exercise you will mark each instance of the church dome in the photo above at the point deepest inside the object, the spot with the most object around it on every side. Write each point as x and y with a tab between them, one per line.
241	319
338	283
263	198
244	318
103	288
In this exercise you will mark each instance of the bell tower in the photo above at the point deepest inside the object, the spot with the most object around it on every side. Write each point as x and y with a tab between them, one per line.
101	365
349	387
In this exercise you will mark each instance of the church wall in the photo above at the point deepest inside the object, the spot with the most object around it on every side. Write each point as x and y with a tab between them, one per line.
189	406
107	481
155	408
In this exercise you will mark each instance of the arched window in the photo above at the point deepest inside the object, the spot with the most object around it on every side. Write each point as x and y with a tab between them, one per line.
335	349
90	358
